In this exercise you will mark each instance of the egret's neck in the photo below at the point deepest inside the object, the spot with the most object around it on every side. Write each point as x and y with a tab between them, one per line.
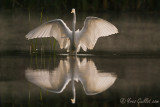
74	21
73	26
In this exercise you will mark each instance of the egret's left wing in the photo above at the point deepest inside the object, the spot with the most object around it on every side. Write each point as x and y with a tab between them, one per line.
93	29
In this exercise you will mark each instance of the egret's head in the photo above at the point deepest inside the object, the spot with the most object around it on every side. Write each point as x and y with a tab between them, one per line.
73	11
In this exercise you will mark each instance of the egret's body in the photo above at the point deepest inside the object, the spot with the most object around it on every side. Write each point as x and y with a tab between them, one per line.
74	40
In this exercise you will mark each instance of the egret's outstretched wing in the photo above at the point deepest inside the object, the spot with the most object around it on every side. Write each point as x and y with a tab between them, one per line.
93	29
54	28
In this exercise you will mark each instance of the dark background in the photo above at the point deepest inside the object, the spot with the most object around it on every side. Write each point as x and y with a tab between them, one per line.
133	54
85	5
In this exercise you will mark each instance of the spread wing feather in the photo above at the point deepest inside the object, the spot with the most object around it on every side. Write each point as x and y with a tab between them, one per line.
54	28
93	29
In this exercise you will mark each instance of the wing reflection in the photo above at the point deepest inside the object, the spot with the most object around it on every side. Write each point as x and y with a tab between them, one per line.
72	69
54	81
93	81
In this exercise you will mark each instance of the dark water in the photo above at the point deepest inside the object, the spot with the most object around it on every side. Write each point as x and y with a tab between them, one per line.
122	68
111	79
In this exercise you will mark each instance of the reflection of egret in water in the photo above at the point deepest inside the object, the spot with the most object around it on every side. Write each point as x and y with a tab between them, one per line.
68	70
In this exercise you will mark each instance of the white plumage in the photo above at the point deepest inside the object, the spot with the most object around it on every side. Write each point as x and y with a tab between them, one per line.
86	38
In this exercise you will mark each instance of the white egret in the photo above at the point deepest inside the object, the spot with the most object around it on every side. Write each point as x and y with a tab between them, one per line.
72	70
93	28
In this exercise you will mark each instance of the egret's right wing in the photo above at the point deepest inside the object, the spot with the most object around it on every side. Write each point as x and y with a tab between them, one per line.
54	28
